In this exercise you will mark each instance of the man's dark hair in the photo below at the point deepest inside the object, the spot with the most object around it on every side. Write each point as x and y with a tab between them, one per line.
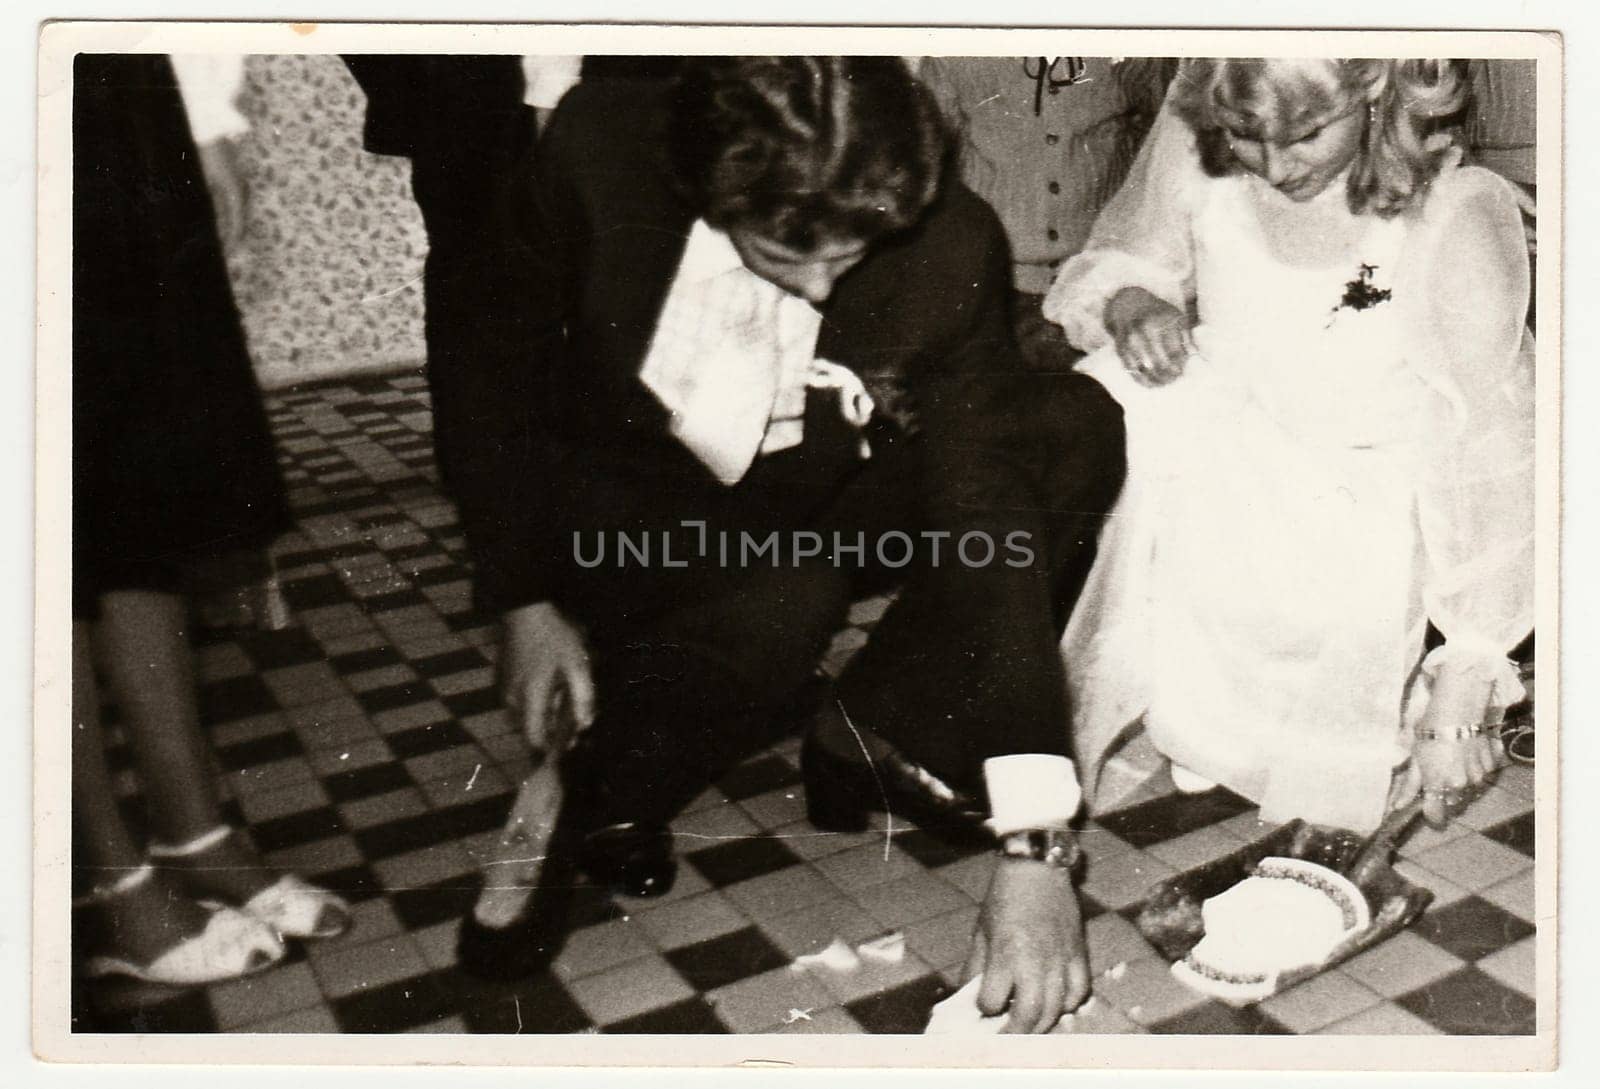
806	149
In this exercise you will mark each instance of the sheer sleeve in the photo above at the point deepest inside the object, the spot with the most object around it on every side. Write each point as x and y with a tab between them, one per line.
1466	282
1141	239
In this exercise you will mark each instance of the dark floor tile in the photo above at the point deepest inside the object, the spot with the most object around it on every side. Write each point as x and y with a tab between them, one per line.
377	700
394	1007
400	599
359	661
592	905
537	1005
719	961
903	1009
349	786
383	519
1172	815
476	702
401	553
316	591
428	905
235	698
1472	928
427	739
186	1011
438	576
692	1016
297	828
1469	1002
455	661
1516	833
277	649
354	883
427	829
935	851
349	495
758	776
742	859
260	750
470	619
1218	1019
335	553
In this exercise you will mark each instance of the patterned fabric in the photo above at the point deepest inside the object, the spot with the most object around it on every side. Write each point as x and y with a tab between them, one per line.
730	358
328	273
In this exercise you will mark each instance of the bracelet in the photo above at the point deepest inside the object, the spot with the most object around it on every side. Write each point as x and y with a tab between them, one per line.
1055	847
1457	733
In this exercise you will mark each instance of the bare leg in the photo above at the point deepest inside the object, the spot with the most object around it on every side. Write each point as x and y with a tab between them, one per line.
150	666
146	921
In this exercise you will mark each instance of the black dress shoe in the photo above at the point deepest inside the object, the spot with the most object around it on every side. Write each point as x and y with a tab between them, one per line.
633	858
841	794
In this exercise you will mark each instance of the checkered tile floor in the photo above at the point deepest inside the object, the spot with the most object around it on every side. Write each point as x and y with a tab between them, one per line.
364	747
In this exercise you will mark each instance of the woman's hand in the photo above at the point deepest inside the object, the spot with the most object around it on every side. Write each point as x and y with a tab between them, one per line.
1153	337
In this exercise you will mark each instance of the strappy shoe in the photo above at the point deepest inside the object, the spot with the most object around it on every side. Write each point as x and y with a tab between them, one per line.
232	944
291	905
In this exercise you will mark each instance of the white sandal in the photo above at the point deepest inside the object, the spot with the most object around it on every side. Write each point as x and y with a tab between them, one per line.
232	945
291	905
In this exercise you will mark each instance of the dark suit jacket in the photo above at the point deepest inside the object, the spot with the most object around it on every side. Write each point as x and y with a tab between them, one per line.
922	319
421	105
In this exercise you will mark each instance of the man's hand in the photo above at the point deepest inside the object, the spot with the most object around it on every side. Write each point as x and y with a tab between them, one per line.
1029	947
545	675
1153	337
219	162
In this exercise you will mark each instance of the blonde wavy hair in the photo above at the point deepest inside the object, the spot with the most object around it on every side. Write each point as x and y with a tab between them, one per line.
1407	103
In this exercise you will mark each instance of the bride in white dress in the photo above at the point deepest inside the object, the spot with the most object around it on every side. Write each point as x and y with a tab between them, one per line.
1313	317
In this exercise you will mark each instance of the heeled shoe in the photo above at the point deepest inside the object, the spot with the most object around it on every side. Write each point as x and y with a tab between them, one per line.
291	905
842	793
528	945
635	859
232	945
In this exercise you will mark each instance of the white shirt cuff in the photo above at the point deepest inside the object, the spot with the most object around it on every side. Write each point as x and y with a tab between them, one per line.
210	84
1031	790
548	78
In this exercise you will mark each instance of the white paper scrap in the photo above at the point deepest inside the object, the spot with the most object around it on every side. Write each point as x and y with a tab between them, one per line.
838	957
889	949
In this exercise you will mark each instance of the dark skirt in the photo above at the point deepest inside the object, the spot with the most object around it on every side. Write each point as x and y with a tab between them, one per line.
173	463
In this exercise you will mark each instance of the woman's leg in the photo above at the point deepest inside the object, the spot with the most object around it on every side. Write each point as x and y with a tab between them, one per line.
150	667
145	921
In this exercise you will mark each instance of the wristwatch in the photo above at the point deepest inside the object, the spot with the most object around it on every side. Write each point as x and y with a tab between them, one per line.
1056	847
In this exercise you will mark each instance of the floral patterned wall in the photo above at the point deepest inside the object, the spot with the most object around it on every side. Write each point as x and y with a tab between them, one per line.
328	271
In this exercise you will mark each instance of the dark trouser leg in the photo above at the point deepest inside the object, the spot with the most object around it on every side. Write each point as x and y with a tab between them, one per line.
478	294
687	695
966	664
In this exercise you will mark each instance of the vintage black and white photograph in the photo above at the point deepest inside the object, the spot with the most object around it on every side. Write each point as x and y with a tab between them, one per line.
860	543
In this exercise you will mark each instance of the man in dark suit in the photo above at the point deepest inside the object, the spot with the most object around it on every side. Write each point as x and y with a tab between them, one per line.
774	368
463	123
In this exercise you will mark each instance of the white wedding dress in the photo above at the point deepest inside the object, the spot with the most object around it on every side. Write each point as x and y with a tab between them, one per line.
1349	457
